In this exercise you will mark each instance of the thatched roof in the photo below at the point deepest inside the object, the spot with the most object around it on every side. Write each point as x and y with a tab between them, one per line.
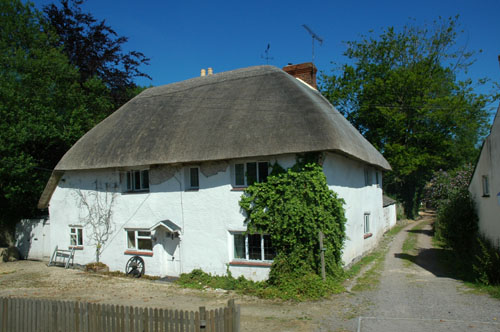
250	112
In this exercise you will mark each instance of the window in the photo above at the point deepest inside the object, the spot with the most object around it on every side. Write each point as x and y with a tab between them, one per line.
139	240
254	247
377	182
367	223
194	178
486	186
368	175
76	236
249	173
138	180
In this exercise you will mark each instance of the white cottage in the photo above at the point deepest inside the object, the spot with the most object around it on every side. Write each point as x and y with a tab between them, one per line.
178	157
485	184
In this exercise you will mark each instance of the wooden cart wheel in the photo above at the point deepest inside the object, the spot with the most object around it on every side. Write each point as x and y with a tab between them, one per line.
135	267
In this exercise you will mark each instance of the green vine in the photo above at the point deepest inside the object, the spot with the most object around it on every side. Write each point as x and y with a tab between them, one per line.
293	206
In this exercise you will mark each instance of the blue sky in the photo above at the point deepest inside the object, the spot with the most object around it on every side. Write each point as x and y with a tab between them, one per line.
182	37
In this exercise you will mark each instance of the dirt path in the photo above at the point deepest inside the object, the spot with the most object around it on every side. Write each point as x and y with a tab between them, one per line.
415	294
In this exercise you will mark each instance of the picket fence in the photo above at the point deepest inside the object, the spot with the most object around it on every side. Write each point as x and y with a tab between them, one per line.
26	315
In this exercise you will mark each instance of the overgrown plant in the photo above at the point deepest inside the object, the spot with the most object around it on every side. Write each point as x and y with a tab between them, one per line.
293	206
96	213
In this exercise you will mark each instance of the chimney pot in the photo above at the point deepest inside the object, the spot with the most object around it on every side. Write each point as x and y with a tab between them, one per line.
305	71
210	71
202	72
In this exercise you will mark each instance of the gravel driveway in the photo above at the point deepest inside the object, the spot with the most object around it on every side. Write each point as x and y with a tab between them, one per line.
421	296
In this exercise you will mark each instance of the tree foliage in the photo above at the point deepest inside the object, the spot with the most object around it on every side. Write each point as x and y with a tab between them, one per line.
293	207
401	91
96	49
45	106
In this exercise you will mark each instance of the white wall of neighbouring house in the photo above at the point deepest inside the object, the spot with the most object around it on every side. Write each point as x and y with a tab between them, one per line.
488	199
208	217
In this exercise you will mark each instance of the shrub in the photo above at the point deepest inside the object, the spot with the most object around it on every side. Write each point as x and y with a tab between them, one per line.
487	262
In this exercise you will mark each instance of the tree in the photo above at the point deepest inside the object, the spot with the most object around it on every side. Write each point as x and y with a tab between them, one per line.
402	93
43	107
96	213
96	49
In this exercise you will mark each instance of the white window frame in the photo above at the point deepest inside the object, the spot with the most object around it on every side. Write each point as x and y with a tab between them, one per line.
130	180
486	185
247	251
76	236
366	223
137	237
245	171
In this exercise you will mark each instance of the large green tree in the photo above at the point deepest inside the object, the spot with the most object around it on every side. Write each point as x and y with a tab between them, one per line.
44	108
401	90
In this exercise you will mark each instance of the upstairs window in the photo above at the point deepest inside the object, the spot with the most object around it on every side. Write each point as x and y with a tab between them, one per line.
76	236
486	186
194	178
246	174
253	247
368	177
138	180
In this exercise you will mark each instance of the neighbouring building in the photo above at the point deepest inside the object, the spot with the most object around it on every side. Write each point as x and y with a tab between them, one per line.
176	159
485	184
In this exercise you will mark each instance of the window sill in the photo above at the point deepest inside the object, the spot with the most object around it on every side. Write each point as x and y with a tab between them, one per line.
135	192
239	188
75	247
138	253
192	189
250	263
367	235
486	195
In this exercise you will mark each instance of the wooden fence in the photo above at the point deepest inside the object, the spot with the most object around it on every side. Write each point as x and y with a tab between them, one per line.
26	315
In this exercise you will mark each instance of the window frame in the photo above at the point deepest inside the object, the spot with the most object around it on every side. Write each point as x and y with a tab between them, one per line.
247	253
367	225
138	237
368	176
131	180
190	178
485	182
76	232
258	176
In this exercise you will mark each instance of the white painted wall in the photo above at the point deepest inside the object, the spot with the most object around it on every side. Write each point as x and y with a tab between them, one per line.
488	207
206	216
390	217
346	177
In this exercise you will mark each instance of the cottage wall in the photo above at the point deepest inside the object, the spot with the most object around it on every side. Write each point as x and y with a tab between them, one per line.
488	205
208	217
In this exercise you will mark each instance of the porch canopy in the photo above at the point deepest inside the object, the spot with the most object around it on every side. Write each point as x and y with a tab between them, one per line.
168	225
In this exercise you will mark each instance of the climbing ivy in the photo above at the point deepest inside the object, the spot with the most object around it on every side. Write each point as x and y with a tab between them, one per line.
293	206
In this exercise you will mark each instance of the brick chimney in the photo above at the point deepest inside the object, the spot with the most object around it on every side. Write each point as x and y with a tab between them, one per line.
305	71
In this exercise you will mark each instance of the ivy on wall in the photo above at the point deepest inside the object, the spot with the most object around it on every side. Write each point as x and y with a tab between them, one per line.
293	206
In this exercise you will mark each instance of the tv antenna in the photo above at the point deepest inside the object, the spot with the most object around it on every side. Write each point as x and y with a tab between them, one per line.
267	57
314	36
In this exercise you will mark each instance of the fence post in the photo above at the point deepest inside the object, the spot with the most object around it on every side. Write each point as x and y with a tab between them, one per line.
203	318
322	254
235	315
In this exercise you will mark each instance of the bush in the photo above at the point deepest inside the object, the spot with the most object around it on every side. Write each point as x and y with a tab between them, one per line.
486	262
457	222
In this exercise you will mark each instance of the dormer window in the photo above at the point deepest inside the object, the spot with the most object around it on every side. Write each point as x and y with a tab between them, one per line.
246	174
138	180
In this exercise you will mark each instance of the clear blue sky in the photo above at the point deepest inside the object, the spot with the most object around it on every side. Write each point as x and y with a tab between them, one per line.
182	37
